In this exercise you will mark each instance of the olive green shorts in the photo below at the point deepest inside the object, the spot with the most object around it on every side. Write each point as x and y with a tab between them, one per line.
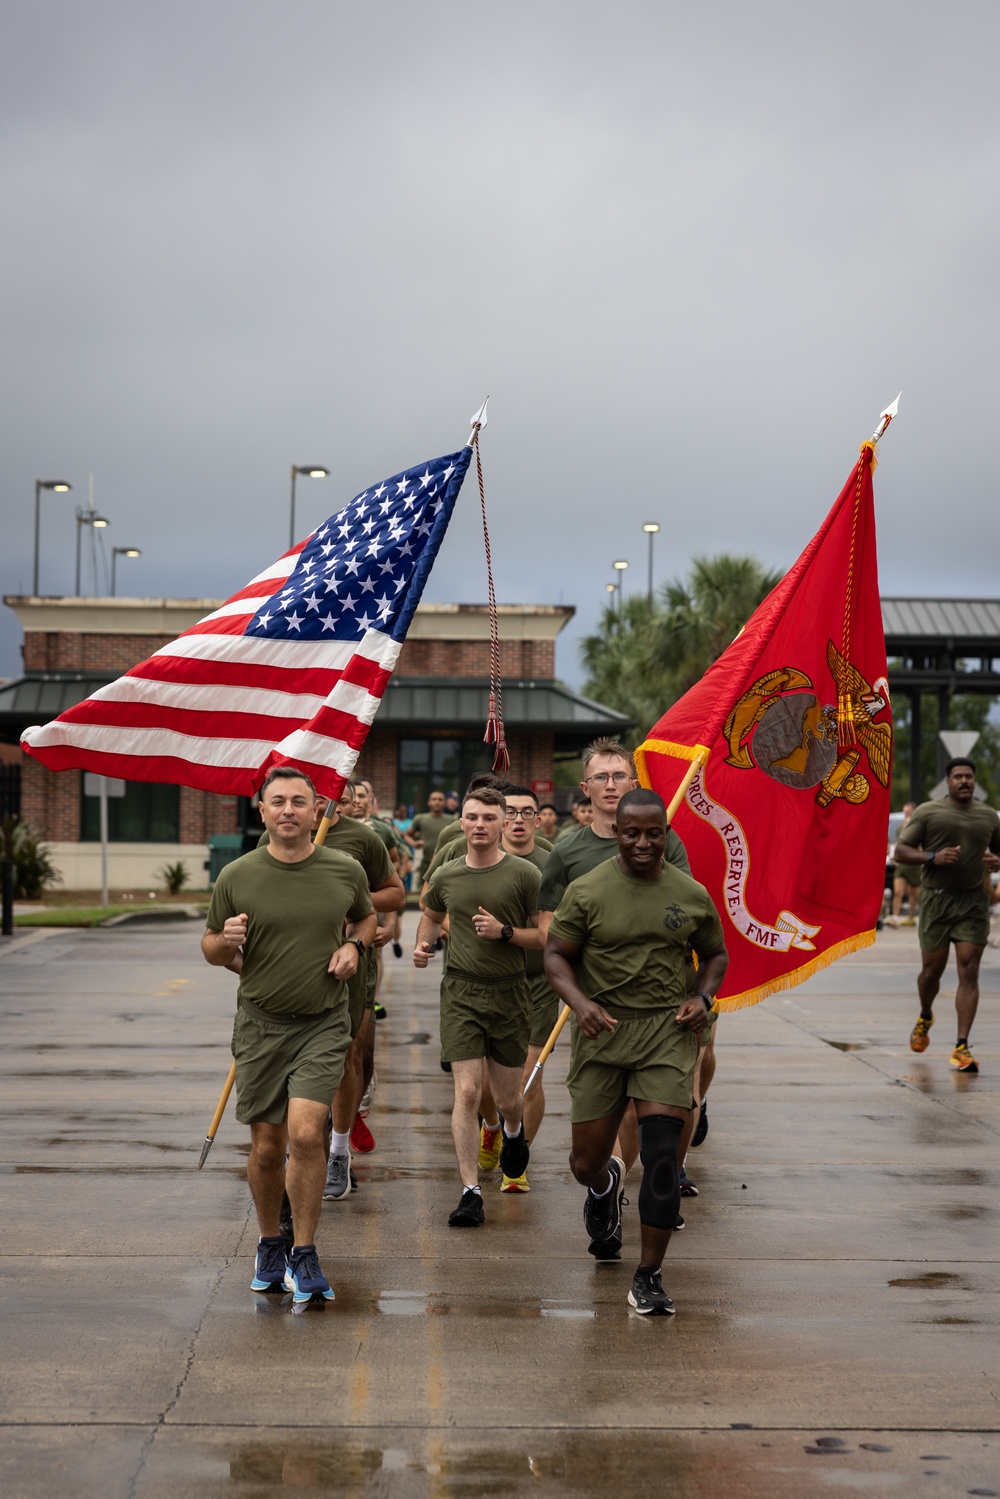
953	916
485	1020
648	1057
361	991
545	1006
912	873
277	1060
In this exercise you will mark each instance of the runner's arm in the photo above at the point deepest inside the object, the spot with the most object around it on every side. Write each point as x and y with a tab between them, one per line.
528	937
428	933
221	947
559	958
693	1013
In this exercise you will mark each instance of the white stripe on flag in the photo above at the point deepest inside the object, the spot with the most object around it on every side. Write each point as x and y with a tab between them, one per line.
111	739
211	698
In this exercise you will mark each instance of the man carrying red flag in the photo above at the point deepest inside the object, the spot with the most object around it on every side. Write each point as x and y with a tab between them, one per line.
791	732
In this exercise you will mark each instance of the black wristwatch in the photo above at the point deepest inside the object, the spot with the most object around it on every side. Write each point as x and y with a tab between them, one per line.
709	1000
930	856
362	949
506	932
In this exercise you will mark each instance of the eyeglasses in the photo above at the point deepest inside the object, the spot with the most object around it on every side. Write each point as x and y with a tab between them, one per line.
602	778
526	814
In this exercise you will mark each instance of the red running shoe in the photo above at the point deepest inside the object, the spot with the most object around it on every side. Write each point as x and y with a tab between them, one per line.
362	1139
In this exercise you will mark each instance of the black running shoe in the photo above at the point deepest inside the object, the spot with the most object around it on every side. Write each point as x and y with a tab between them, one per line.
647	1295
379	1011
514	1154
470	1212
701	1128
445	1066
680	1223
602	1216
397	948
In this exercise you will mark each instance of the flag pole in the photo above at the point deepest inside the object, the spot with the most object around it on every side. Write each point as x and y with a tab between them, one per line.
564	1013
325	824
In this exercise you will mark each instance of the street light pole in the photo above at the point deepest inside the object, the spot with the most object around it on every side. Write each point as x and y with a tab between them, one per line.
86	518
59	487
619	568
650	529
311	471
117	552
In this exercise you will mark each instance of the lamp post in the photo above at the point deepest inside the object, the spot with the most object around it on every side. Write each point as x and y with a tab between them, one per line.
86	518
311	471
619	568
651	529
58	486
117	552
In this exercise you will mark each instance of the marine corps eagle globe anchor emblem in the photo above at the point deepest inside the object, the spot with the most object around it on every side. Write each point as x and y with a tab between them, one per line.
780	727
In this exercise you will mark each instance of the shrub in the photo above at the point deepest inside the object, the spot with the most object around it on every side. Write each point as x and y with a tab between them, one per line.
33	867
174	876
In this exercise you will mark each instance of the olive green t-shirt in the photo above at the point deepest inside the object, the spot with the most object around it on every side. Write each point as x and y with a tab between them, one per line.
583	852
349	836
429	827
635	934
295	922
942	824
508	890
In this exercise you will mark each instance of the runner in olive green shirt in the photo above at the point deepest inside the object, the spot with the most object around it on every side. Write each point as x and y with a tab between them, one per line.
294	920
957	841
427	827
490	899
616	955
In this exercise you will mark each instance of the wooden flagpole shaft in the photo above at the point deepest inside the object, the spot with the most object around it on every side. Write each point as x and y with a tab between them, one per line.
217	1116
564	1013
320	838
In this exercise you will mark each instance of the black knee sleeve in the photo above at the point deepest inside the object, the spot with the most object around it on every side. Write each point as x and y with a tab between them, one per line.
660	1193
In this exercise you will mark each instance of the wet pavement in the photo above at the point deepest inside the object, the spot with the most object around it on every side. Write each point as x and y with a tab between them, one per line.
836	1284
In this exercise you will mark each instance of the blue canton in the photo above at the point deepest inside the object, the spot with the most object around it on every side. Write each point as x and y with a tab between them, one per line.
367	566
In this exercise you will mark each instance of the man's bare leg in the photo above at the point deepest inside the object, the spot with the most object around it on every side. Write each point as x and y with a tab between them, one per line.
534	1102
967	958
505	1085
266	1174
627	1143
305	1173
468	1080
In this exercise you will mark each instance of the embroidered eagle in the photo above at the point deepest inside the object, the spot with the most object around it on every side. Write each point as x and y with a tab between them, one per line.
875	738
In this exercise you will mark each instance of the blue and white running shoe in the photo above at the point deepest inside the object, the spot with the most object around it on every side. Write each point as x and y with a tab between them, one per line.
304	1278
270	1266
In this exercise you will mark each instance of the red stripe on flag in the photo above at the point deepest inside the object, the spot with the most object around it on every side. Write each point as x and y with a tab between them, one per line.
234	726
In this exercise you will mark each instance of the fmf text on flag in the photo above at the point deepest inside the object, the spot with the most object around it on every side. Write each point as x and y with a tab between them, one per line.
786	819
289	671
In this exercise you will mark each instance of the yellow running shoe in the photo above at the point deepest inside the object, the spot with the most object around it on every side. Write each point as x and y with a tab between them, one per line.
490	1146
963	1060
920	1035
515	1184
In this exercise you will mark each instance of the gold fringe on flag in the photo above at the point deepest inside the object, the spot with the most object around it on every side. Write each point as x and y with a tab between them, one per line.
751	997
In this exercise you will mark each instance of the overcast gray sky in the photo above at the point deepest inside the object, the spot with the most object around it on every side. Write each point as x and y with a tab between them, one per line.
689	252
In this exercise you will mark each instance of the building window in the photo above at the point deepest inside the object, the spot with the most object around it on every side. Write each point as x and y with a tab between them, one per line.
427	765
147	813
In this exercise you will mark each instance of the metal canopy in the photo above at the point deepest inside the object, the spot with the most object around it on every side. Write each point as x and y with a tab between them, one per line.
409	703
940	646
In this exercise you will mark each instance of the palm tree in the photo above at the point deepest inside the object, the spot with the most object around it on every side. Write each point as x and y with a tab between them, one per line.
698	619
642	659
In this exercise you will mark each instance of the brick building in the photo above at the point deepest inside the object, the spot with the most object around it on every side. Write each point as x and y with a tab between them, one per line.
427	735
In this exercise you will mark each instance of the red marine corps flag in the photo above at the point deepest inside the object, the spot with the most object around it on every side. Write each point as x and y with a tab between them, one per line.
787	741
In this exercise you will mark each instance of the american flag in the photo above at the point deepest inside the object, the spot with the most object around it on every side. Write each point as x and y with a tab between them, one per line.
290	670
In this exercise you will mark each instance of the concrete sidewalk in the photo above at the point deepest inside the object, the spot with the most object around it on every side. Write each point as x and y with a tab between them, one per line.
836	1285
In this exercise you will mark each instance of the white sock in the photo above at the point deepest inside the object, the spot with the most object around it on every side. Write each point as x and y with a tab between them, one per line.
607	1189
340	1144
510	1133
475	1188
494	1125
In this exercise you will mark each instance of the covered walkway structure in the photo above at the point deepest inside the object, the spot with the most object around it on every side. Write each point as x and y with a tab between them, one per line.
940	647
